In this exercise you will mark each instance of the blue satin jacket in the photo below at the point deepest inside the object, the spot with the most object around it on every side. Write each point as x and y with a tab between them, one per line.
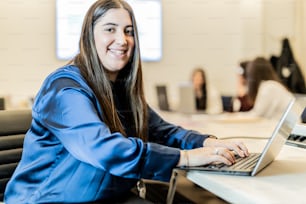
70	155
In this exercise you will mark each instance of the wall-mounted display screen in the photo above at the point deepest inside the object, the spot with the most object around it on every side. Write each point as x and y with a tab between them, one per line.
69	19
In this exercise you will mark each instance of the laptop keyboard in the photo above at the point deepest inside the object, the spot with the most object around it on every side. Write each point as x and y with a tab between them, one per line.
242	163
245	162
297	140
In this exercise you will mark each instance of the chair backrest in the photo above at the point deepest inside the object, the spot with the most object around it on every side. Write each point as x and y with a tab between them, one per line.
162	97
13	126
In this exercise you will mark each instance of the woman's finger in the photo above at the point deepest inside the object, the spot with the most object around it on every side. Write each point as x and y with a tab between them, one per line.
223	152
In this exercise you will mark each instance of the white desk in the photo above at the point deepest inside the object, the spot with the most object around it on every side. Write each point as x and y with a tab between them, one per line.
283	181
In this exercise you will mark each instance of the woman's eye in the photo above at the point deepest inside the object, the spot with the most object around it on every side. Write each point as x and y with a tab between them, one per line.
129	32
110	30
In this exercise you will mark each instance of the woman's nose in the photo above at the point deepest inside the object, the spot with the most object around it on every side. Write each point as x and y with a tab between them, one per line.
121	38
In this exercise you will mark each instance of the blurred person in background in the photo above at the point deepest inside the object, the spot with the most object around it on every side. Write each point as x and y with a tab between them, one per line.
241	102
265	92
206	95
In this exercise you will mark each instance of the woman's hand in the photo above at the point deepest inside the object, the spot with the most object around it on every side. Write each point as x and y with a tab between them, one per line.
206	155
234	145
214	151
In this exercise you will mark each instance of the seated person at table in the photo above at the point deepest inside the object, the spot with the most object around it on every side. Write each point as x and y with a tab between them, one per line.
93	136
240	101
206	96
268	96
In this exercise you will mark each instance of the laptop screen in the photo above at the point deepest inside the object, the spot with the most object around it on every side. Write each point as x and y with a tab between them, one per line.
280	134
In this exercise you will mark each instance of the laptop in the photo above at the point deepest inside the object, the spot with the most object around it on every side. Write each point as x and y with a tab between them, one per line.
187	99
254	163
297	137
187	102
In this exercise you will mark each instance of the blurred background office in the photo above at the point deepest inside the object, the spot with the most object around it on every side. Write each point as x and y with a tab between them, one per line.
213	34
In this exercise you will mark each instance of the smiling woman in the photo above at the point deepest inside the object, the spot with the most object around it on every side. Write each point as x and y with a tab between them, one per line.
93	136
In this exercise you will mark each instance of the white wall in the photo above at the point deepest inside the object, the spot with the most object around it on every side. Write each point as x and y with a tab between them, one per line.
213	34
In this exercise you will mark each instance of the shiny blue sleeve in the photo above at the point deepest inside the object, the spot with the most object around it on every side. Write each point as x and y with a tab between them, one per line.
165	133
71	113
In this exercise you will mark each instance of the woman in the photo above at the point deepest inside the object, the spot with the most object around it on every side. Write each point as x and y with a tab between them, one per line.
93	136
268	96
199	85
207	98
241	102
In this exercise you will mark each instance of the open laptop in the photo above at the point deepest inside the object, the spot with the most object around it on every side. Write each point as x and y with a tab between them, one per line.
297	137
251	165
187	99
187	102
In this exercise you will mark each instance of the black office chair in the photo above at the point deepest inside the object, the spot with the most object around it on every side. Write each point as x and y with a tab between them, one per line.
13	126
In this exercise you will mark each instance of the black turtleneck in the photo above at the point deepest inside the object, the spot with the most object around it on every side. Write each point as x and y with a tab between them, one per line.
123	107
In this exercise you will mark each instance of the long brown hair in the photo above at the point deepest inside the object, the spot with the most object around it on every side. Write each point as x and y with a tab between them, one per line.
258	70
94	73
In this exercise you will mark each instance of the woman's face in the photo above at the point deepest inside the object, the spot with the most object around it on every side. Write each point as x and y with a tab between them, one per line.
114	40
198	80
